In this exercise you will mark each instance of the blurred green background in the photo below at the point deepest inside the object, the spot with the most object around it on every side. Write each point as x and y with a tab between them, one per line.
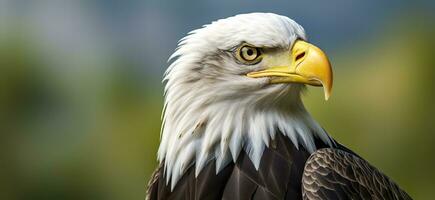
81	91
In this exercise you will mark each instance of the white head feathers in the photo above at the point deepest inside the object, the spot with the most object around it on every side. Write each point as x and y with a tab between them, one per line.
213	111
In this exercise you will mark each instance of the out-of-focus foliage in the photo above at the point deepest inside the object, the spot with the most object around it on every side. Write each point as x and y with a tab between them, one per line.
80	114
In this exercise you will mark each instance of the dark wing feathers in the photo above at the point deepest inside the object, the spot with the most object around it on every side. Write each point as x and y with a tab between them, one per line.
336	174
285	172
269	182
278	177
152	187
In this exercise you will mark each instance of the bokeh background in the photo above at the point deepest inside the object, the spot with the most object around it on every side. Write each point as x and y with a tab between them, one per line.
81	91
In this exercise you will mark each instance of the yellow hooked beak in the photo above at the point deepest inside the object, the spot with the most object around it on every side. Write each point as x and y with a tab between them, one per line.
306	64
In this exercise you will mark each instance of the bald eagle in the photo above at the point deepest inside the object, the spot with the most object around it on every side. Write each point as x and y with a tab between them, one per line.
234	125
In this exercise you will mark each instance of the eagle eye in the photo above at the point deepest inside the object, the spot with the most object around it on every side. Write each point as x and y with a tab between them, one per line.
248	54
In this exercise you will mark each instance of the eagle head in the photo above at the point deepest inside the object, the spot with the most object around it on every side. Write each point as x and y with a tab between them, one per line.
232	86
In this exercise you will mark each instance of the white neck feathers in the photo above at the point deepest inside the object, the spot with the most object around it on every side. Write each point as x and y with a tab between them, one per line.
196	130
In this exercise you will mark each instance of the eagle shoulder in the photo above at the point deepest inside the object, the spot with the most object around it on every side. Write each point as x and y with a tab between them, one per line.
152	186
337	174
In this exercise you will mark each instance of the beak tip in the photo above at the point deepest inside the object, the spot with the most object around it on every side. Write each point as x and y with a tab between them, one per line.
327	94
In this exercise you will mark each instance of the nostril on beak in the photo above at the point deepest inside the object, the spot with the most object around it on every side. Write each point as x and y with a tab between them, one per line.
300	56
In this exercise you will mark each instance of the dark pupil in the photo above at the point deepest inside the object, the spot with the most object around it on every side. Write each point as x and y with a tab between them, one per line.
250	52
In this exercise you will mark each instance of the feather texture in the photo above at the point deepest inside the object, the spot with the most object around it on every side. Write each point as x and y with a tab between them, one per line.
337	174
278	176
285	172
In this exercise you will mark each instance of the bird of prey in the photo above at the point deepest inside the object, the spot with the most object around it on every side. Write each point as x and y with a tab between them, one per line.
234	125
